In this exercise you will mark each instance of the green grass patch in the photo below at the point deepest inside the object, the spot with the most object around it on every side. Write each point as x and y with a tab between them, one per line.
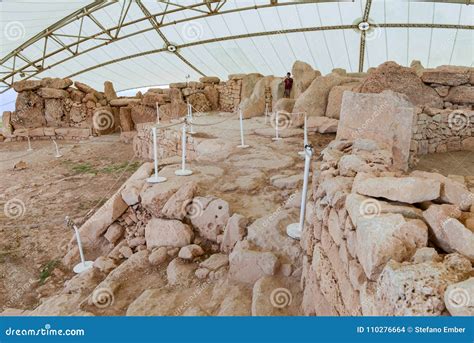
84	168
47	270
121	167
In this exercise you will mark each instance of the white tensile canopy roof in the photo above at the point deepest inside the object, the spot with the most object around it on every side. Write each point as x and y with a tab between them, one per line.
143	43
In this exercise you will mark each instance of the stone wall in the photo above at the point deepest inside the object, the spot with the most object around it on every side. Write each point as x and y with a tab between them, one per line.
441	130
379	240
169	143
230	93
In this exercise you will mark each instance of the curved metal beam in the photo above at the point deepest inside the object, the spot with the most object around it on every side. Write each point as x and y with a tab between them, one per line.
259	34
96	5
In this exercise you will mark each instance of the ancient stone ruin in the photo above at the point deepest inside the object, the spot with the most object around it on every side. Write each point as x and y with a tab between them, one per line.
380	237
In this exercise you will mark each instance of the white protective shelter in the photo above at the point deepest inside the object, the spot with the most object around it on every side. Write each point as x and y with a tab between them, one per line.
143	43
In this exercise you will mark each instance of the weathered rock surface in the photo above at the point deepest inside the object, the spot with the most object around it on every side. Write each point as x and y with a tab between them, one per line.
459	298
303	75
387	237
405	189
210	216
362	113
409	289
248	265
448	232
391	76
163	232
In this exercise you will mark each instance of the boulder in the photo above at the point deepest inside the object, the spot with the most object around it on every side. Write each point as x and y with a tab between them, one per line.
248	266
333	109
303	75
215	262
126	122
28	113
211	150
235	230
191	251
209	216
448	232
361	115
109	91
459	298
273	296
131	192
405	189
446	75
53	93
461	95
57	83
284	105
163	232
7	129
248	84
124	102
313	101
26	85
209	79
255	104
176	206
84	88
143	114
387	237
391	76
323	124
418	289
155	197
158	256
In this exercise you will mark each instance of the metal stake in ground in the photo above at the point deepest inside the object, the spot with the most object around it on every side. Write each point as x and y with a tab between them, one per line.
242	143
295	230
190	119
58	154
29	144
277	123
83	265
155	178
183	171
305	139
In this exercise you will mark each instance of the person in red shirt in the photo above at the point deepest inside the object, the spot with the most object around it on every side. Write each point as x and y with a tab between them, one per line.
288	85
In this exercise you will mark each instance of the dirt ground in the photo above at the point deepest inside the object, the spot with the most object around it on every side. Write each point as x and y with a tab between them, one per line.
448	163
37	199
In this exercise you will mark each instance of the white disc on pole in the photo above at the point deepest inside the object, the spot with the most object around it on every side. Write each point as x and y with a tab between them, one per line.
243	146
294	230
183	172
156	179
82	267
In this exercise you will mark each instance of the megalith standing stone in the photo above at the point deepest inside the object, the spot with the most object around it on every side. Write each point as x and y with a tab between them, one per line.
386	118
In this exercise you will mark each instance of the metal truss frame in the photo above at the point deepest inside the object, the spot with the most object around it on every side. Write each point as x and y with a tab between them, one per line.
16	65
